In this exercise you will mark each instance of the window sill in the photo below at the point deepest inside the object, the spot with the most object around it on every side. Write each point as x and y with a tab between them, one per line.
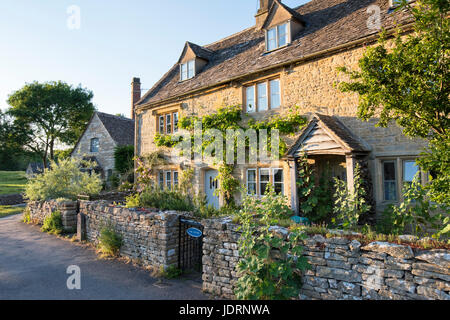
273	50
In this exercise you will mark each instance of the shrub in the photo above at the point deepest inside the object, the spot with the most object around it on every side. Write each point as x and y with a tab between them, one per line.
416	214
263	275
123	158
349	205
53	223
171	272
109	241
64	180
26	217
316	201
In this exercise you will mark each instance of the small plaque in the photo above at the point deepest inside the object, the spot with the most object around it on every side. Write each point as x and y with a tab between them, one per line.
194	232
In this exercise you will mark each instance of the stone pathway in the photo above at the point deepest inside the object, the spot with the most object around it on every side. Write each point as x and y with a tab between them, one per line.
33	265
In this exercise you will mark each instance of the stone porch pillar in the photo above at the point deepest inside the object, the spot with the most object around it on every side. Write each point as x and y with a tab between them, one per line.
350	164
293	177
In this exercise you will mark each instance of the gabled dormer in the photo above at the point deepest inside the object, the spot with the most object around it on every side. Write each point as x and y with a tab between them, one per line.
193	59
281	25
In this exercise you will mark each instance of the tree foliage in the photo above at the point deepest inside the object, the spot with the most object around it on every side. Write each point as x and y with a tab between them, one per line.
410	84
51	113
63	180
123	158
269	266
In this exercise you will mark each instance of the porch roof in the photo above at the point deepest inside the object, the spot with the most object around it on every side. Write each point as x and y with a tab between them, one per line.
327	135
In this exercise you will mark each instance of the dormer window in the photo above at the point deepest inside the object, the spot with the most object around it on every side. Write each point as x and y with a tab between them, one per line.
187	70
277	37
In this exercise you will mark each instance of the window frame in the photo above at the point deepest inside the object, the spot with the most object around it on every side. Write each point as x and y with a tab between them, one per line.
164	116
399	162
164	181
255	182
254	86
258	181
383	162
277	34
186	64
91	145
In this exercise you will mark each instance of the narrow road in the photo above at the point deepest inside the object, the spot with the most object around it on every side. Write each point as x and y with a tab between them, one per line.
33	265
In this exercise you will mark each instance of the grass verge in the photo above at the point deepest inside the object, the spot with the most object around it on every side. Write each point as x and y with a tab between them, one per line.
10	210
12	182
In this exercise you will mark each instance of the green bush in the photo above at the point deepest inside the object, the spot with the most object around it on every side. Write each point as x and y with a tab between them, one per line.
349	205
53	223
64	180
26	217
416	214
263	274
123	157
109	241
171	272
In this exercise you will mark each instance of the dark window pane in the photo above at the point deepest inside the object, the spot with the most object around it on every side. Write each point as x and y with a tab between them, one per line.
389	171
390	192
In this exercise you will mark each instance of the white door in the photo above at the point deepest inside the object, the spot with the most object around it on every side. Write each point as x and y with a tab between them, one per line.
211	185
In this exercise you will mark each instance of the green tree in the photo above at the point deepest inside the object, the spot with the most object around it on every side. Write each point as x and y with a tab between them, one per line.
123	158
12	139
53	112
409	84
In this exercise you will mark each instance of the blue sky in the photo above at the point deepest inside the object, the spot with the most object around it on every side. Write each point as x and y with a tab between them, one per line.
117	40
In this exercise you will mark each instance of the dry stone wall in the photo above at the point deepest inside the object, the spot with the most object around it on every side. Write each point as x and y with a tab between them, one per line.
342	269
39	210
149	237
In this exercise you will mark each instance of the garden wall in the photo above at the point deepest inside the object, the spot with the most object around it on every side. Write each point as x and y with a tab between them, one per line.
39	210
149	237
341	268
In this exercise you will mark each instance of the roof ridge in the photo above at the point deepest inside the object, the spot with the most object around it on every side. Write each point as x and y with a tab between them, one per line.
113	115
228	37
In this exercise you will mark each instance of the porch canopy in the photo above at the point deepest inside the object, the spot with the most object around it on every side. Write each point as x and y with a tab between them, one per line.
326	135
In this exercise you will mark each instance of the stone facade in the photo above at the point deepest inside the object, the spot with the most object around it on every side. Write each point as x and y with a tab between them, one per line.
105	154
149	238
342	269
41	210
310	86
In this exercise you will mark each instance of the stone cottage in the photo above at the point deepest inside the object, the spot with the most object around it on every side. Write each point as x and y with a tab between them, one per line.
103	133
287	59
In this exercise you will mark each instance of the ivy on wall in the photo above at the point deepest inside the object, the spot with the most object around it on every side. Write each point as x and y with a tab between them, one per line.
232	117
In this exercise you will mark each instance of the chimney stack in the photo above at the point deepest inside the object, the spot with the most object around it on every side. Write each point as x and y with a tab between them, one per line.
135	94
263	11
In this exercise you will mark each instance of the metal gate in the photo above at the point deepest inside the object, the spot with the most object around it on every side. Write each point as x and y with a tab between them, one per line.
190	245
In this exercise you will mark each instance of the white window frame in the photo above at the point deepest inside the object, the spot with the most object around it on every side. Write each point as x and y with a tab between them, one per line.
266	96
254	88
162	129
168	182
175	182
399	163
282	178
258	173
260	180
161	181
186	65
168	119
271	93
175	125
277	34
253	182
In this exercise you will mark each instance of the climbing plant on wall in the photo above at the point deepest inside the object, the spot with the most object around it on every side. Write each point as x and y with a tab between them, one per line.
231	118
